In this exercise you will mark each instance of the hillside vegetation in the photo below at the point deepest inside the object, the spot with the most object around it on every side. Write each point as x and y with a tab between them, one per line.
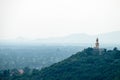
84	65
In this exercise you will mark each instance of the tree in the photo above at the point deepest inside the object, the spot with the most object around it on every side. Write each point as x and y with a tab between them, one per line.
115	49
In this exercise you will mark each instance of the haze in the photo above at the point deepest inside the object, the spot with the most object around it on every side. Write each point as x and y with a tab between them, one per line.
32	19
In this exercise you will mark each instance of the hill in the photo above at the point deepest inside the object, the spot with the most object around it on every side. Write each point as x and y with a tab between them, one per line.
84	65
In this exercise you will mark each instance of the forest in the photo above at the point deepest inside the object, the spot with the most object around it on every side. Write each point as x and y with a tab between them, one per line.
84	65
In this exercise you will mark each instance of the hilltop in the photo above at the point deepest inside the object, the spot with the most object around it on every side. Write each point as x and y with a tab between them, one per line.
84	65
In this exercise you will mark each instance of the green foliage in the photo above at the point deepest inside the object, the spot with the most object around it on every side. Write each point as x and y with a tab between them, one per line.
84	65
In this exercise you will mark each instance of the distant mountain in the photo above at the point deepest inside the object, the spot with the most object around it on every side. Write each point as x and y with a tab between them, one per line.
106	38
73	39
112	37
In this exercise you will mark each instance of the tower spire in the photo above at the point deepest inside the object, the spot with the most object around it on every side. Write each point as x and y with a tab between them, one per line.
97	44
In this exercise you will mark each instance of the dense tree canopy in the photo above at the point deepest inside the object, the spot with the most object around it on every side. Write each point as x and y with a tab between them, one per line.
84	65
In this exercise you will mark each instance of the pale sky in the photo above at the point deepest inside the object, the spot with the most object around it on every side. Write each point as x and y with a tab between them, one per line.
33	19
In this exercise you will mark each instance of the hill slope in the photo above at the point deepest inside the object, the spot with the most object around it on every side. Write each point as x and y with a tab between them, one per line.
84	65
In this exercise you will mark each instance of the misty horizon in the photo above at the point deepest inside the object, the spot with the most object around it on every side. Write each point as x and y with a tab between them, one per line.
35	19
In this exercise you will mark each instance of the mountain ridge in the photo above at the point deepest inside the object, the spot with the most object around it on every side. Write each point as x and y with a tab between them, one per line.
73	39
105	38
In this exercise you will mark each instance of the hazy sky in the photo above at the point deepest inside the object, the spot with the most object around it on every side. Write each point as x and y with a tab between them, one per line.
33	19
